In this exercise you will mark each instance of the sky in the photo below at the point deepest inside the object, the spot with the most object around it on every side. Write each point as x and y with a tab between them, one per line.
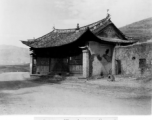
28	19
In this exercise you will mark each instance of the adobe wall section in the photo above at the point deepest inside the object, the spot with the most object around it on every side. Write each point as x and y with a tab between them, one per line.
98	64
136	60
110	32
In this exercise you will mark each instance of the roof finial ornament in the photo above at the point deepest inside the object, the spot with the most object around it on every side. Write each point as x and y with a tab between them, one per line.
107	11
108	15
77	26
53	27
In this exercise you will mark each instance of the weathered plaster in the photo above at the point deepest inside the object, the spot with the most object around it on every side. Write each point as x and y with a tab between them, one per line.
130	59
85	63
109	31
100	65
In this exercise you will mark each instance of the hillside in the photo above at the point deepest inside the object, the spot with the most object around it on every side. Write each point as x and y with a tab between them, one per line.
12	55
141	30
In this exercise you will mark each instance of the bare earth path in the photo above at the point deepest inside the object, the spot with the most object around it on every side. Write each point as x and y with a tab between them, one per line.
76	97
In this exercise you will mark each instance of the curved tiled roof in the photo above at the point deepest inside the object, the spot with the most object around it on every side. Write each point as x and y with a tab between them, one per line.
59	37
54	39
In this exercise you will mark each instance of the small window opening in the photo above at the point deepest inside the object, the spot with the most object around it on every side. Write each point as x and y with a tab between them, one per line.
133	58
142	65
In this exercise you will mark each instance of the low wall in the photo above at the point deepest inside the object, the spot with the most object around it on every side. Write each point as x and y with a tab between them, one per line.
136	60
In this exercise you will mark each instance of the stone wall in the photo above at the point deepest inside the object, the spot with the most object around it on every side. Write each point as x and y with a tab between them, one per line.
136	60
99	65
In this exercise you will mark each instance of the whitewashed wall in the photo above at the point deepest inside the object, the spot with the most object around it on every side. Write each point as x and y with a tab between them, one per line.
100	66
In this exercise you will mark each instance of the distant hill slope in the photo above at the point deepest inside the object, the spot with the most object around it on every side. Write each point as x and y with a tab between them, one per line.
141	30
12	55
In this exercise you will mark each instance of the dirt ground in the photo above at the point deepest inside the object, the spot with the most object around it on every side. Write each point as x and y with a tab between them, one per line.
20	94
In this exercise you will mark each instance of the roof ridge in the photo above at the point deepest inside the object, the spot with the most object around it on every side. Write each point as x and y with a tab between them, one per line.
86	26
90	26
39	38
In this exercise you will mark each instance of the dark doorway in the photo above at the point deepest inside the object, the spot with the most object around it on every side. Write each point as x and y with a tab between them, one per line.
118	67
142	65
75	64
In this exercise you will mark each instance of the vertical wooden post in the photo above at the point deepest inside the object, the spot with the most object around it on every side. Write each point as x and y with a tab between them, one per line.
49	64
85	63
31	64
114	62
68	63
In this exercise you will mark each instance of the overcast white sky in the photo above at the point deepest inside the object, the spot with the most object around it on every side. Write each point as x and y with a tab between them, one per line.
27	19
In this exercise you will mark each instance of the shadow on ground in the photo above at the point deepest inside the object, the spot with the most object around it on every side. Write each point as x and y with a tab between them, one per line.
16	84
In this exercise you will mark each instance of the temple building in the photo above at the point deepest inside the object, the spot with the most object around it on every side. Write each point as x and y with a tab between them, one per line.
87	50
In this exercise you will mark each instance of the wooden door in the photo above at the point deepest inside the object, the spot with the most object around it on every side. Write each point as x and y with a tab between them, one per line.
42	65
118	67
58	65
75	64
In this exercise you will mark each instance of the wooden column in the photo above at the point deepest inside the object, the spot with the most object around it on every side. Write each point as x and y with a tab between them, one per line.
114	62
31	64
85	63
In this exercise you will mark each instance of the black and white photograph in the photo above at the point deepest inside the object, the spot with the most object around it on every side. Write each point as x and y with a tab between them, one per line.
76	57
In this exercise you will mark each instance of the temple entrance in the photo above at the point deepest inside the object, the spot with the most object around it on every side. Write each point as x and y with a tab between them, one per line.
58	65
75	64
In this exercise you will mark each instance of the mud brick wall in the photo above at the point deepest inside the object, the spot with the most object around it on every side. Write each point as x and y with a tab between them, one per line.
109	32
136	60
98	64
